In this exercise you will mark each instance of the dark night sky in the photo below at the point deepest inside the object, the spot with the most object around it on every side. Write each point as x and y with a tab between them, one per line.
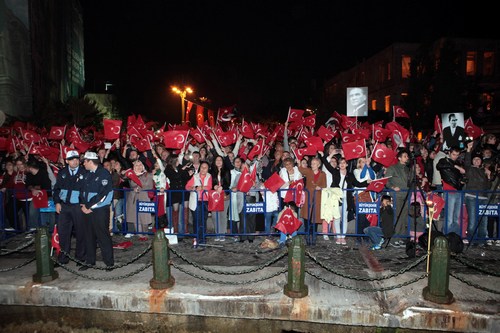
261	56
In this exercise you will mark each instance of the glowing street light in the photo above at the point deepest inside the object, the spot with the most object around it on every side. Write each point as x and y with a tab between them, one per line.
182	93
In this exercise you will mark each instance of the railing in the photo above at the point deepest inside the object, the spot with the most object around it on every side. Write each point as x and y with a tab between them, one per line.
18	216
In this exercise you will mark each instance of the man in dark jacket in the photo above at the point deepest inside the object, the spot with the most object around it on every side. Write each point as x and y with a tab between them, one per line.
453	181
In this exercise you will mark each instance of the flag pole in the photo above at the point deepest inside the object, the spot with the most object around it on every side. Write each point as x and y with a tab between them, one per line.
288	117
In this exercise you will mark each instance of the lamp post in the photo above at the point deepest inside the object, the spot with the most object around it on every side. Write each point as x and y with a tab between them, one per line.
182	93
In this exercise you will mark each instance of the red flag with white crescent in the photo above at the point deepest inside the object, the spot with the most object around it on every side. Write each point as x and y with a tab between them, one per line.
377	185
383	155
246	180
57	132
400	112
353	150
55	240
40	199
288	222
130	174
174	139
215	201
112	129
294	115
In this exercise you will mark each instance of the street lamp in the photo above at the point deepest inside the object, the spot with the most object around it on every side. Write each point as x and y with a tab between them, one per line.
183	94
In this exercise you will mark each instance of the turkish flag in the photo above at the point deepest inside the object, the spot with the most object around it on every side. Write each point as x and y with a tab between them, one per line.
364	132
130	174
142	145
112	129
294	192
400	112
354	149
294	115
227	138
57	132
175	139
307	151
288	222
348	122
5	131
274	182
4	144
380	134
472	130
257	149
316	142
55	240
200	118
246	180
197	135
247	130
373	219
30	136
215	201
139	123
438	203
40	199
325	133
211	117
225	114
348	137
131	120
310	121
188	109
383	155
399	134
438	127
377	185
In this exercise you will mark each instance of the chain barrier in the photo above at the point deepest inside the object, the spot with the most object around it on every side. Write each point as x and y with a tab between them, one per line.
234	283
472	284
223	272
397	286
361	278
81	263
18	266
462	260
137	271
19	248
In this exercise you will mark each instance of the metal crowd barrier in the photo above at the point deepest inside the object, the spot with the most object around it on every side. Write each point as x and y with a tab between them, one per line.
16	215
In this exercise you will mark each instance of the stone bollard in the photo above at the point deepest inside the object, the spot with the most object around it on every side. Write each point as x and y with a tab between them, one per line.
439	275
44	265
295	288
161	265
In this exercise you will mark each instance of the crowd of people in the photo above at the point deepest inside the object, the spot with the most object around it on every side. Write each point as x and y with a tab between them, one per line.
96	190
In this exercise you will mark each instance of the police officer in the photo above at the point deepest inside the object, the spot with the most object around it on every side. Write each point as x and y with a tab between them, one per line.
97	194
67	201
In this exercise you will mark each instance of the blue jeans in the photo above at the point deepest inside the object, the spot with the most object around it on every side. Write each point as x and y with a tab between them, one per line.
270	218
453	203
375	234
482	230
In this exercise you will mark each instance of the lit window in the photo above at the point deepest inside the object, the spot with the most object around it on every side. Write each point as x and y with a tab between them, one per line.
488	63
405	66
374	104
470	67
387	102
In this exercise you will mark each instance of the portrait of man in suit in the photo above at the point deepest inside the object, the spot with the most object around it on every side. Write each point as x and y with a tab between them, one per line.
453	130
357	102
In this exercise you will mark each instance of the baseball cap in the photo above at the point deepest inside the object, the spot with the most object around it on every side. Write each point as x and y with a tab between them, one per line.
72	154
90	155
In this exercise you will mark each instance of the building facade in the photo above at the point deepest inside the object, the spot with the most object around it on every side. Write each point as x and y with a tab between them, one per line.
388	76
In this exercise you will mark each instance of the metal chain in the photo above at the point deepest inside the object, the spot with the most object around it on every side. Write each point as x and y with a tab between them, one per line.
368	289
18	266
224	272
461	259
361	278
134	259
140	269
234	283
224	249
17	249
472	284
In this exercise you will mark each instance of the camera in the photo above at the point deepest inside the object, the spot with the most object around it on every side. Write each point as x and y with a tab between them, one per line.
468	139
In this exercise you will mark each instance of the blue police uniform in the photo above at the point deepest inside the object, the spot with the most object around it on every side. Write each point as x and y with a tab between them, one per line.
67	193
97	194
